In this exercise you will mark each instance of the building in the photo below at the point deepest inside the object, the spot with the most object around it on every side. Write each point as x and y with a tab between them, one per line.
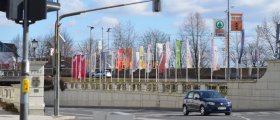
8	56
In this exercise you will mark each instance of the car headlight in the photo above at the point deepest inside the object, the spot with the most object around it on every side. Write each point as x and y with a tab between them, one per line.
229	103
210	103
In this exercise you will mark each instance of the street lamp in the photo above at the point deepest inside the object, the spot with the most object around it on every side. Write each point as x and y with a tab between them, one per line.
108	30
90	51
34	45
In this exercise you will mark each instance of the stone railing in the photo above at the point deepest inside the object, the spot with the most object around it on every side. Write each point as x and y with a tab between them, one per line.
150	87
10	94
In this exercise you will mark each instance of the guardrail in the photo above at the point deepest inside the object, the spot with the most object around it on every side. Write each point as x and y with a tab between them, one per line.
150	87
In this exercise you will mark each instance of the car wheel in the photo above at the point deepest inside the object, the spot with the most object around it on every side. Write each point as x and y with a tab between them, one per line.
202	111
228	113
185	110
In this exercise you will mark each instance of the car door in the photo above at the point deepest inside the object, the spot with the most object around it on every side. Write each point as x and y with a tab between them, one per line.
189	101
196	101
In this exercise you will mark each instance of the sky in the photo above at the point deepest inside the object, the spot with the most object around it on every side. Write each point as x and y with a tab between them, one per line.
141	16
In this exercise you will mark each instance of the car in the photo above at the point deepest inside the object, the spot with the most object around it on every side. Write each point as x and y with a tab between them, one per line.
206	102
105	73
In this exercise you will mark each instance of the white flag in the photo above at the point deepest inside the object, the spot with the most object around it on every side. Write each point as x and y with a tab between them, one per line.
168	54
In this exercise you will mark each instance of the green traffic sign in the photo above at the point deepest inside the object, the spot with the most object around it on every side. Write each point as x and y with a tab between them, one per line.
219	24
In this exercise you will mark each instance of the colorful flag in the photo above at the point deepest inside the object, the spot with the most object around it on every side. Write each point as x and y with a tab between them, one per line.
79	67
167	54
141	62
120	58
188	56
178	54
128	58
162	64
149	59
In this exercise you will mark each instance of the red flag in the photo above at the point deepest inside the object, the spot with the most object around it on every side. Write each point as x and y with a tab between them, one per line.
120	53
162	63
83	66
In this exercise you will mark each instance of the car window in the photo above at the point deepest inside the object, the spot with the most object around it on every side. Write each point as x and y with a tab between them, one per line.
211	94
190	95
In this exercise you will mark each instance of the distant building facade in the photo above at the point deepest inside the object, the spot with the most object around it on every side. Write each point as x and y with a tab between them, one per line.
8	56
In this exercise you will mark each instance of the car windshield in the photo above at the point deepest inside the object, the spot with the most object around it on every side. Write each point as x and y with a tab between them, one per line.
211	94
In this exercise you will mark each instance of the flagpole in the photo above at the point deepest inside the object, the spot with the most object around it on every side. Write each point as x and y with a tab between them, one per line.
156	61
131	67
187	79
112	65
72	70
94	65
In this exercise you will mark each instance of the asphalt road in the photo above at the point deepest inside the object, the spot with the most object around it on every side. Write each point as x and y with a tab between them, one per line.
140	114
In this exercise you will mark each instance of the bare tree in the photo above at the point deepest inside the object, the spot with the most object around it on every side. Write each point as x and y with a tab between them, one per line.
153	37
124	35
194	29
18	43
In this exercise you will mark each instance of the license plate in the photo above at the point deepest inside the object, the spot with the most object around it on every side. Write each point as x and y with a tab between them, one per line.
222	108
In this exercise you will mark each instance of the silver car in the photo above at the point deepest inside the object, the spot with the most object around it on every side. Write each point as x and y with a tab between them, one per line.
105	73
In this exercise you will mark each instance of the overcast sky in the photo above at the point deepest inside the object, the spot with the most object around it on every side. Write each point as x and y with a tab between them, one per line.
141	16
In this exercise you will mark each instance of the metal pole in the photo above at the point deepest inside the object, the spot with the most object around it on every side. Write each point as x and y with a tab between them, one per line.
90	52
24	104
228	62
57	65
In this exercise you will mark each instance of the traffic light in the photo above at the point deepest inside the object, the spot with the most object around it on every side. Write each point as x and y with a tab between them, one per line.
37	9
156	5
3	4
14	9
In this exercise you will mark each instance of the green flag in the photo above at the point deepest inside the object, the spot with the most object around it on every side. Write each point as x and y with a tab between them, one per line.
178	53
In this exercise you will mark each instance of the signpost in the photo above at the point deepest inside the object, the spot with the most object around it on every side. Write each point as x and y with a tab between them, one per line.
219	27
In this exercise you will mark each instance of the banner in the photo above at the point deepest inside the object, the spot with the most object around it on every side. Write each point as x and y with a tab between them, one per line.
216	65
149	59
120	58
189	56
236	22
79	67
167	54
128	58
178	53
219	25
93	62
159	53
162	64
141	55
242	46
103	60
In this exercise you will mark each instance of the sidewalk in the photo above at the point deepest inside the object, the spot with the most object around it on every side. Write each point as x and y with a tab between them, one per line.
5	115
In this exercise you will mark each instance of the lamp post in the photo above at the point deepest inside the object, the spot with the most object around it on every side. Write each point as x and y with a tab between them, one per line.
34	45
108	30
90	51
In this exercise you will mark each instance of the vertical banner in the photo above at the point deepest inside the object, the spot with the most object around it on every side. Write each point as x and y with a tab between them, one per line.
159	53
149	59
120	56
178	54
219	25
162	64
128	58
74	67
141	54
167	54
242	46
216	59
103	62
236	22
188	56
83	66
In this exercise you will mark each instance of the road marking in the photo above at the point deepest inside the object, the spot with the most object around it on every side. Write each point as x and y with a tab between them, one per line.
85	118
265	113
250	113
76	114
242	117
142	118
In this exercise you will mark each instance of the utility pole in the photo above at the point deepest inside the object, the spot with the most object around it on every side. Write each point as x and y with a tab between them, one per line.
228	61
57	66
24	99
90	52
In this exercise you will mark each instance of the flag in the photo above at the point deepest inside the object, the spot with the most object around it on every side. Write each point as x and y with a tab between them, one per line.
159	53
128	58
162	63
242	46
79	67
120	58
51	51
136	58
236	22
149	59
112	60
141	54
103	62
83	66
216	65
94	62
74	67
178	53
188	56
167	54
